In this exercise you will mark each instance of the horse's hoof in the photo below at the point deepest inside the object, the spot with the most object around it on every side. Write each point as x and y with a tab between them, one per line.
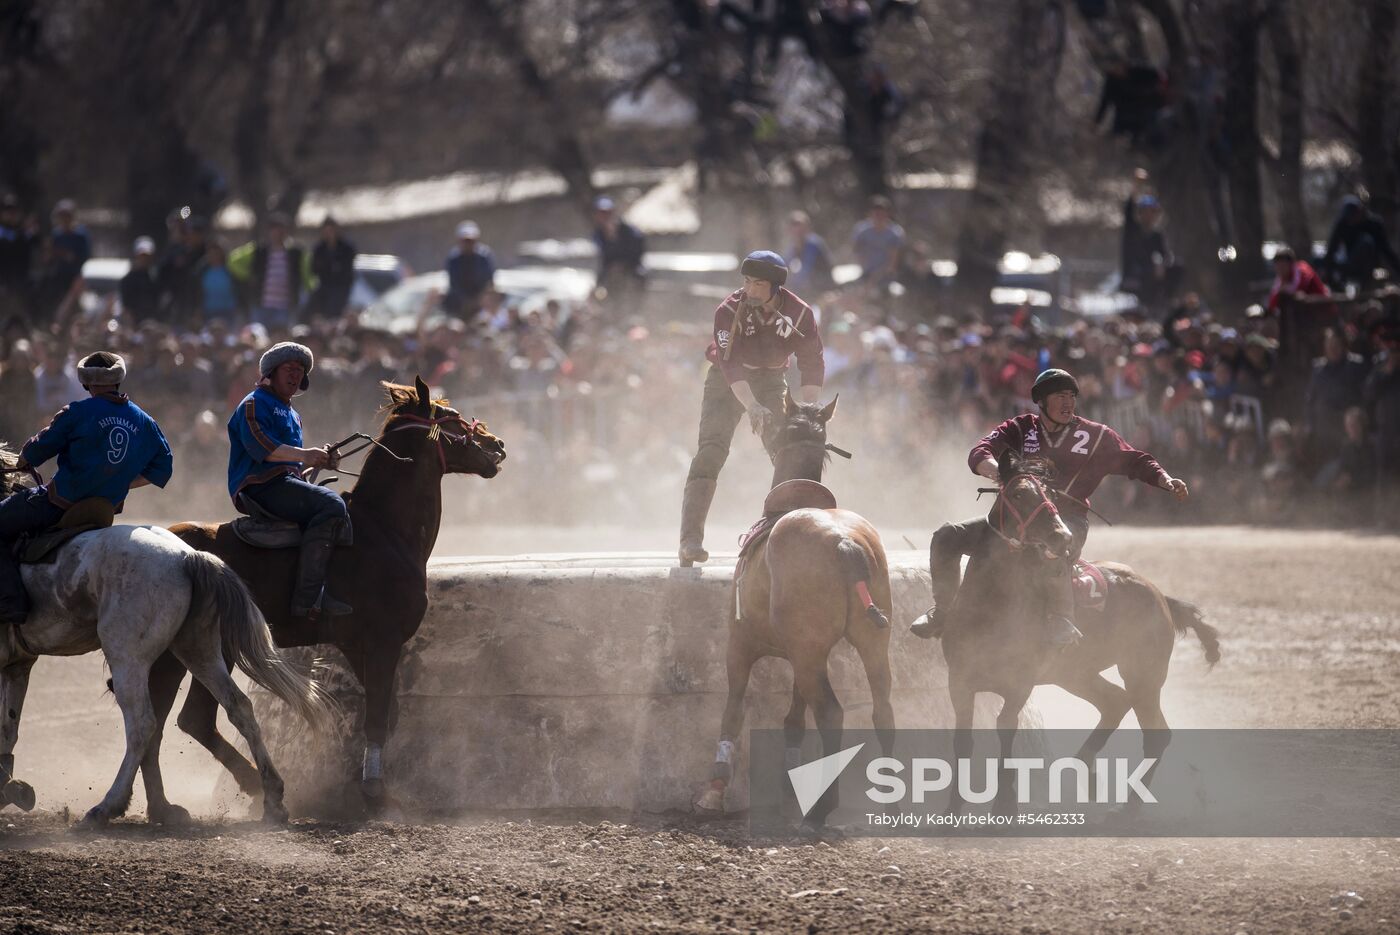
275	813
169	814
372	790
812	829
18	793
711	800
95	820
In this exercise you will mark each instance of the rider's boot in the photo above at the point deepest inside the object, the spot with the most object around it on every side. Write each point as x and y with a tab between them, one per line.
695	506
1060	630
309	596
945	554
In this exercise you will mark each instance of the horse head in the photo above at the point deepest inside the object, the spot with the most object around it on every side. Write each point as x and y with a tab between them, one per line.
463	446
799	443
1024	513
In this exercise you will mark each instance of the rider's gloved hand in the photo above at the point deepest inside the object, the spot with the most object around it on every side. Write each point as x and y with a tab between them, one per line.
759	418
332	458
1177	486
989	469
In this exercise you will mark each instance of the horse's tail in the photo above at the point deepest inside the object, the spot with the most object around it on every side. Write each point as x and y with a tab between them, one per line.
1187	616
855	564
247	642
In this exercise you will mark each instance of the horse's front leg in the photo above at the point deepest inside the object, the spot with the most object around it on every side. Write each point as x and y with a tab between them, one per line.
739	660
14	683
962	697
131	685
381	664
1007	720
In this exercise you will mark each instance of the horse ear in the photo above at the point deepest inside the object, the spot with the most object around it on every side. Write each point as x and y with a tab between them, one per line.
424	394
1009	464
830	409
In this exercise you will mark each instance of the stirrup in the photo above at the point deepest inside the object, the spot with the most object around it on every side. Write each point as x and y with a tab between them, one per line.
1061	632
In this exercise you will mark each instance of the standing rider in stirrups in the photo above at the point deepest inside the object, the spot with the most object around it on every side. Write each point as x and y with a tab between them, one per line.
757	330
264	466
1083	454
105	444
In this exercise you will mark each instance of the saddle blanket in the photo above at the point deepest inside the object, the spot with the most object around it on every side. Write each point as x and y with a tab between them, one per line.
1090	586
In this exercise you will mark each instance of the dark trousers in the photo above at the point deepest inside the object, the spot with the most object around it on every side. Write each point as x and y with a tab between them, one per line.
954	540
720	413
293	499
26	511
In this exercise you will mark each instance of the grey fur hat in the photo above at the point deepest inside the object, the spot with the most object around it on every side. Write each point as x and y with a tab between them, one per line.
101	368
279	354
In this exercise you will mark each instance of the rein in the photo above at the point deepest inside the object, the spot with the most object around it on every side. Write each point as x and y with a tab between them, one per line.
29	470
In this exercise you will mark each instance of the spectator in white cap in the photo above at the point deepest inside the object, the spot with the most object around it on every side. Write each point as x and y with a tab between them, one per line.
471	270
620	250
140	288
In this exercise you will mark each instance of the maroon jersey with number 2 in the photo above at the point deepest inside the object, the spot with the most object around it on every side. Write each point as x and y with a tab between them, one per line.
1084	453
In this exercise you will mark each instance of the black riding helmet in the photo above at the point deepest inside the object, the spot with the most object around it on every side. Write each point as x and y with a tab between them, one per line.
1050	381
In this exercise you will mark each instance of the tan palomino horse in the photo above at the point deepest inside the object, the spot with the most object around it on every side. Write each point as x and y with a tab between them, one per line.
819	576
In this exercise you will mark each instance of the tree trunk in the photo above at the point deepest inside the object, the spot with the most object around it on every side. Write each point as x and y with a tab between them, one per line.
1288	169
566	155
1376	91
863	134
1241	60
251	154
1004	147
162	174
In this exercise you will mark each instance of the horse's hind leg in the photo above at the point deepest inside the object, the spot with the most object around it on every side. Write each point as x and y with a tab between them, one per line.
738	664
873	646
810	674
166	675
198	719
14	683
200	654
1143	678
131	685
1111	701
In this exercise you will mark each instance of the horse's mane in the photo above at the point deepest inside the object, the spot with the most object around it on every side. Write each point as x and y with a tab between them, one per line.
9	480
396	395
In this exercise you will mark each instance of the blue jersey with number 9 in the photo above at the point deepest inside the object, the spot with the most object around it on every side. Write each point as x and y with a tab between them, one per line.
103	444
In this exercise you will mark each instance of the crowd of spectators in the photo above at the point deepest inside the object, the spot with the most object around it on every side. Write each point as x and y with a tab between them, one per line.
1289	412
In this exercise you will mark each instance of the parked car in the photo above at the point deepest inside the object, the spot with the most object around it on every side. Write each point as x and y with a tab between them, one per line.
528	287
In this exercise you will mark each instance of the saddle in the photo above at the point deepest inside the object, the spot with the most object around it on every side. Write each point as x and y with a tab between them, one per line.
261	530
42	548
1090	586
781	500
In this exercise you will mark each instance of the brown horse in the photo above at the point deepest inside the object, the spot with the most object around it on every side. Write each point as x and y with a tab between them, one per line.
819	576
993	640
395	506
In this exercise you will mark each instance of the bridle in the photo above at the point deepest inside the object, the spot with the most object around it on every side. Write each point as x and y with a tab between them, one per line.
1004	505
436	432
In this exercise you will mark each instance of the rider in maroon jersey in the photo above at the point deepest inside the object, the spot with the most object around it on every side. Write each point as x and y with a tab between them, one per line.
1083	454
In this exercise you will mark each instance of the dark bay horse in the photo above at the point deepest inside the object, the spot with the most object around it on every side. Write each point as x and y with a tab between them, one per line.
820	575
993	640
396	507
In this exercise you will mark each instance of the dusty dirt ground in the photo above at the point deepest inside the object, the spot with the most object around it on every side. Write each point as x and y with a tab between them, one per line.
1311	639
